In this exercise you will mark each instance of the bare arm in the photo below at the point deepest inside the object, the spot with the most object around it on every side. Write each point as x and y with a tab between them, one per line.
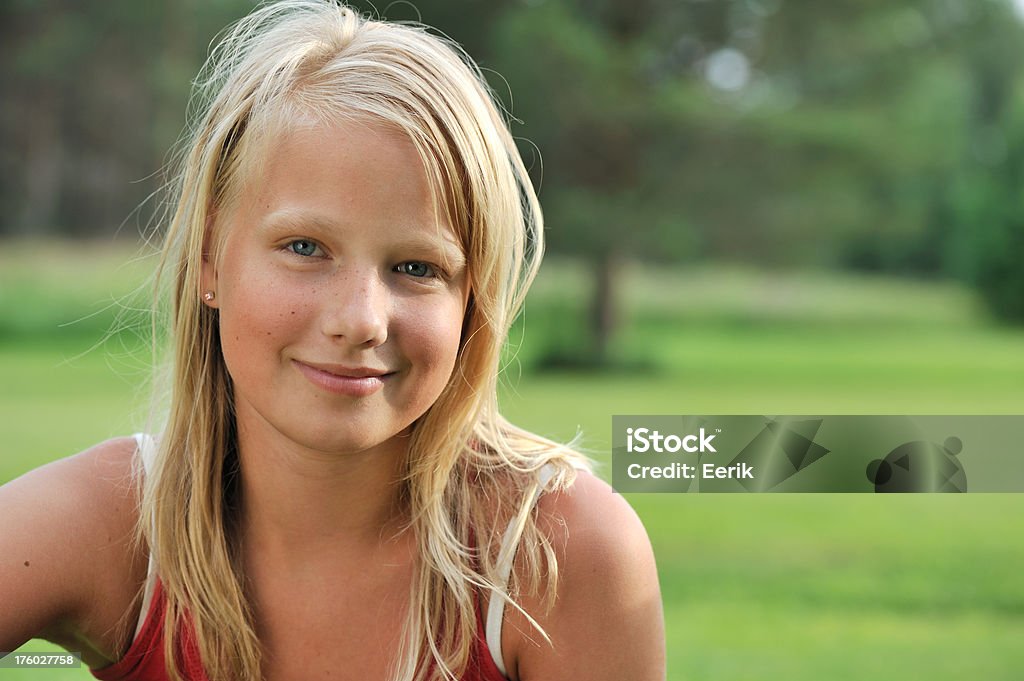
67	568
607	622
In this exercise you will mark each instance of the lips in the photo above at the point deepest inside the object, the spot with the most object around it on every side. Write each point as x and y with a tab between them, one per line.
344	380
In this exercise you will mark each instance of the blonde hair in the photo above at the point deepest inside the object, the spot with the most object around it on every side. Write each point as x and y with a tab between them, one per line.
468	471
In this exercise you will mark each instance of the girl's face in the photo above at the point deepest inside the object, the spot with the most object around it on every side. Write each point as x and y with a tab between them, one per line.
340	297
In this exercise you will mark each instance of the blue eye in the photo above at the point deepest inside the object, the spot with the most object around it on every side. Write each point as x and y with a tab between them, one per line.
416	269
303	247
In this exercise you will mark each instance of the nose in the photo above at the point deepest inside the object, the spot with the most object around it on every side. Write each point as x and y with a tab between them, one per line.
355	309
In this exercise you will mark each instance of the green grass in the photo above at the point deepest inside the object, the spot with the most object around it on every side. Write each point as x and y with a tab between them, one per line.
851	587
55	292
754	587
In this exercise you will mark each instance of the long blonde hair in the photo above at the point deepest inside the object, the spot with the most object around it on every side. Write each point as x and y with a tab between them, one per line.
468	471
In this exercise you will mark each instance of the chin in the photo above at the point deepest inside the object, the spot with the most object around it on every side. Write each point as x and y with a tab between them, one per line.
348	441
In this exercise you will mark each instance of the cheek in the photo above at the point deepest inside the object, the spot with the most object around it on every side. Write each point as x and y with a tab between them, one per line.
258	315
432	342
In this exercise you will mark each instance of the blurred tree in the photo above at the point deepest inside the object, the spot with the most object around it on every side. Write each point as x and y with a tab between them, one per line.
781	132
857	133
985	243
94	94
581	76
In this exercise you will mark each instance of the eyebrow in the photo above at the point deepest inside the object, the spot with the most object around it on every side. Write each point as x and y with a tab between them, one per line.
295	219
447	249
417	239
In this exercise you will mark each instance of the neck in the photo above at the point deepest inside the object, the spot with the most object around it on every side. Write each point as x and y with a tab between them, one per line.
299	501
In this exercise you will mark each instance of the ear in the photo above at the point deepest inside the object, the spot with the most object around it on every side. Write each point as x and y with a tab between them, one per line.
208	275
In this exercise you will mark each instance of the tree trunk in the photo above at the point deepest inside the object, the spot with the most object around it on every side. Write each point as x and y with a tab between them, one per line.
603	313
43	169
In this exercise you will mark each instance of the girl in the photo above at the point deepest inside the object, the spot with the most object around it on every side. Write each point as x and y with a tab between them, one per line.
333	491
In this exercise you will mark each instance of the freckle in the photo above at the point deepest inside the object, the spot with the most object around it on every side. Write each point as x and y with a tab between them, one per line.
26	563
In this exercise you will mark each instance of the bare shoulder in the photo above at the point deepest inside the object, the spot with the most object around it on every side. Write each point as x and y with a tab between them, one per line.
69	566
607	620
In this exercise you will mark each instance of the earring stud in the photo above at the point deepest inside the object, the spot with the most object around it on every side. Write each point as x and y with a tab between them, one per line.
209	296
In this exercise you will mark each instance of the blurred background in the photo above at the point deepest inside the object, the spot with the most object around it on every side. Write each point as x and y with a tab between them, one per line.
753	206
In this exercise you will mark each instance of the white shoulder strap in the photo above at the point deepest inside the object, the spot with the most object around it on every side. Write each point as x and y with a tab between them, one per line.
147	450
506	554
147	454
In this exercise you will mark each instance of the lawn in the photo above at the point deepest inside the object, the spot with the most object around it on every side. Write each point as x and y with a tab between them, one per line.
755	587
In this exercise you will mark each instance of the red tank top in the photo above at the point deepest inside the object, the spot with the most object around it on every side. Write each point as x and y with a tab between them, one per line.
144	660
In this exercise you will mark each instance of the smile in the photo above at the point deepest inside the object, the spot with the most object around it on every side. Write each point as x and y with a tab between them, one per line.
349	381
